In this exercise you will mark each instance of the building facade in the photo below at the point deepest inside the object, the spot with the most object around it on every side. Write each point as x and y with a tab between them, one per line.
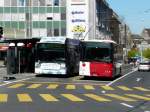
146	34
50	18
33	18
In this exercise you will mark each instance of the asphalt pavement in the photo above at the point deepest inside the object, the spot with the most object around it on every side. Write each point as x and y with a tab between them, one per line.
31	93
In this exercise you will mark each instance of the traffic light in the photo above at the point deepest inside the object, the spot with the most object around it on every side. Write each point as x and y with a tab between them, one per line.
1	32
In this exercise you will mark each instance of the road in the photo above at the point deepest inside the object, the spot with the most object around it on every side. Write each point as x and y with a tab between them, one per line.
130	93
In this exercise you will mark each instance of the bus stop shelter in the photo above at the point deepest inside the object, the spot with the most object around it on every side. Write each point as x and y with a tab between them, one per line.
20	55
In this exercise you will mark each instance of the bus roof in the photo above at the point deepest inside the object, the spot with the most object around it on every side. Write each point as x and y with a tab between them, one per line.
60	40
104	41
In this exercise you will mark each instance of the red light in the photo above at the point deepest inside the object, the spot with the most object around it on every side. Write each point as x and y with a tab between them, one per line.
83	64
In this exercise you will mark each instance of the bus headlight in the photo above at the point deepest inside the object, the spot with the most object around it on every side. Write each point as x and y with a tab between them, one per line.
62	65
37	65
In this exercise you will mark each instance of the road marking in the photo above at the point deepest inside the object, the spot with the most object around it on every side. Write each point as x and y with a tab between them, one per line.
120	78
124	88
3	98
141	89
34	86
48	97
70	87
89	87
72	97
16	85
52	86
127	105
11	82
97	98
120	97
138	97
96	84
107	88
24	98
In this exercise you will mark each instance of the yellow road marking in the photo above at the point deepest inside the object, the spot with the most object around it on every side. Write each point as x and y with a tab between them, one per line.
82	83
107	88
48	97
24	98
3	98
52	86
141	89
70	87
97	98
120	97
124	88
138	97
72	97
16	85
33	86
89	87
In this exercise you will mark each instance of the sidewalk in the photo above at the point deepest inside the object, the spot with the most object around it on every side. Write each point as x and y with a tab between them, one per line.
4	75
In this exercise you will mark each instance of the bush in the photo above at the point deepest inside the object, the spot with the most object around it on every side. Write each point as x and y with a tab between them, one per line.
146	53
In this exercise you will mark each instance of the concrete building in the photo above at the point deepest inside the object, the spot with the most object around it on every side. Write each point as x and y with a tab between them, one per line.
146	34
33	18
88	19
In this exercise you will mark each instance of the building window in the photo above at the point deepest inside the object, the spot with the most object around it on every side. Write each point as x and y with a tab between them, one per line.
56	2
22	2
49	32
7	2
14	3
63	32
63	2
56	32
49	2
42	2
63	16
35	3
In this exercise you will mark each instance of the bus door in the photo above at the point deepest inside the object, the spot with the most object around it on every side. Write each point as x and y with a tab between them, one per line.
72	56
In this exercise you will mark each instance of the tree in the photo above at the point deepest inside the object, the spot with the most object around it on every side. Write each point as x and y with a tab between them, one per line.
133	53
146	53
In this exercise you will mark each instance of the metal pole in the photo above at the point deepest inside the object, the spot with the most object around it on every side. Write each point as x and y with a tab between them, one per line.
19	61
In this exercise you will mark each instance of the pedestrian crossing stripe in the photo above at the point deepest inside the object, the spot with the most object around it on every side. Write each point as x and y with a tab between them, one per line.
89	87
73	87
97	98
141	89
138	97
70	87
107	88
120	97
124	88
3	97
33	86
16	85
24	98
72	97
48	97
52	86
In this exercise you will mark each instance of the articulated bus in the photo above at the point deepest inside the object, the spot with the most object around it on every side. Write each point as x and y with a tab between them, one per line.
99	58
57	55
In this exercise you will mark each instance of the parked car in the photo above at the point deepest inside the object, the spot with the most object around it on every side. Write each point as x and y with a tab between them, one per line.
144	66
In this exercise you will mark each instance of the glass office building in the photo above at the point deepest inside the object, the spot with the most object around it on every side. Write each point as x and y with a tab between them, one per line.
33	18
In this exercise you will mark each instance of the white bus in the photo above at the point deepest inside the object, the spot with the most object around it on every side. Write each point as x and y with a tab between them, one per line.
57	55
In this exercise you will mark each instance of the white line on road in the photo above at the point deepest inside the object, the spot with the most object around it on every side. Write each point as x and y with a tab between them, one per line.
10	82
127	105
120	78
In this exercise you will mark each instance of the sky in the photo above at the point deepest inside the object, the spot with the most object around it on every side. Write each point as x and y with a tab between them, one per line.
135	13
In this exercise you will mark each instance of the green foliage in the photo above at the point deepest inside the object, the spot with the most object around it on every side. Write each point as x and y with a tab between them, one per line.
146	53
133	53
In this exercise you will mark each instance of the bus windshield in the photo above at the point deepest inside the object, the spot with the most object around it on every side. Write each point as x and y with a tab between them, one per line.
100	53
50	52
